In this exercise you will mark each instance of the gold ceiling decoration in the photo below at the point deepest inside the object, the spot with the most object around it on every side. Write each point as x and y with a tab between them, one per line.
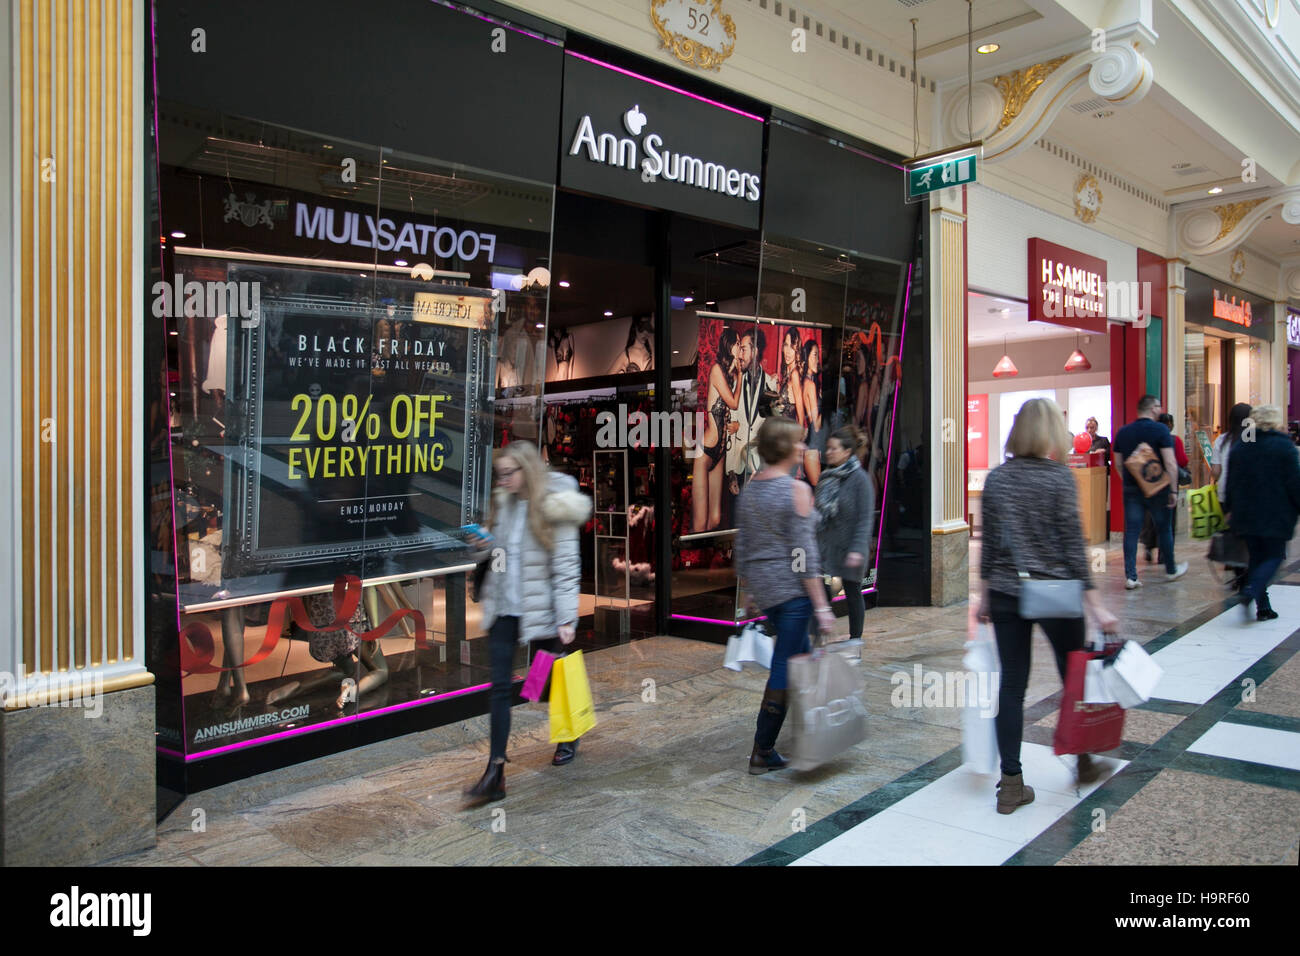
1017	87
1232	213
698	32
1237	268
1087	197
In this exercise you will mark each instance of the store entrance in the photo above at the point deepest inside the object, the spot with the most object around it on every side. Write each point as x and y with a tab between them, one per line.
619	402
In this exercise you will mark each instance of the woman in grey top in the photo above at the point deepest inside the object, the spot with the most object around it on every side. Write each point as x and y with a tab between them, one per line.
846	505
1031	521
777	564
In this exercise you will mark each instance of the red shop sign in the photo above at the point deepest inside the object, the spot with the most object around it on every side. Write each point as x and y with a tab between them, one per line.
1066	287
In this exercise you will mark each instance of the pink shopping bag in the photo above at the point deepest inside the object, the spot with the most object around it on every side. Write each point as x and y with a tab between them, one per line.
535	683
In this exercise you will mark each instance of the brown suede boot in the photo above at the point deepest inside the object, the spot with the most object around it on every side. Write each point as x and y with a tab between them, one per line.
1013	793
1087	770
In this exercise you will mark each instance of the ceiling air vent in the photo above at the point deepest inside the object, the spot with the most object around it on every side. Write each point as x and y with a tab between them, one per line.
911	3
1192	171
1090	106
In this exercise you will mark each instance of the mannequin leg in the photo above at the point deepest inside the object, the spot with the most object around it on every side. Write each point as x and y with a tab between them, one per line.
373	660
231	683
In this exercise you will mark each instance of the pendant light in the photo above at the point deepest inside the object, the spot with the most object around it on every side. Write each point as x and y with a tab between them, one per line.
1077	362
1005	367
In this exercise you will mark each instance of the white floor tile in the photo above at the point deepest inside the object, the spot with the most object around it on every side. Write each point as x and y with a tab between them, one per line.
1276	748
891	838
954	820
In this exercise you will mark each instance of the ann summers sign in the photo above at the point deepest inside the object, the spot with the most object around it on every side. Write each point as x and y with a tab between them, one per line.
643	142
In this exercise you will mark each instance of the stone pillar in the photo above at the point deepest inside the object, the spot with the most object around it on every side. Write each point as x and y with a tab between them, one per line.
77	752
950	533
1277	394
1175	336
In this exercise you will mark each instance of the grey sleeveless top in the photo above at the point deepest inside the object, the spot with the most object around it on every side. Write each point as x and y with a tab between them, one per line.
776	548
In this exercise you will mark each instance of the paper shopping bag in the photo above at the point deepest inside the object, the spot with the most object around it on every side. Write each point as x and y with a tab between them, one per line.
535	682
828	713
979	735
751	644
1133	676
572	712
1081	727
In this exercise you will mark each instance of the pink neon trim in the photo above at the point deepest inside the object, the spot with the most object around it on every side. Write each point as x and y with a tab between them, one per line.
646	79
747	620
241	745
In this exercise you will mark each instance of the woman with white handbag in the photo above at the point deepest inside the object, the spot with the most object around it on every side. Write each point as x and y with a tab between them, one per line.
1035	570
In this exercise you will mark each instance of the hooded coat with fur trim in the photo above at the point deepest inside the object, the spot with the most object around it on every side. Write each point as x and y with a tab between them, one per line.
548	582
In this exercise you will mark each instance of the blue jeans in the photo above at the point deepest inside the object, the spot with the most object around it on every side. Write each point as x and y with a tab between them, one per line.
1135	508
790	622
1266	555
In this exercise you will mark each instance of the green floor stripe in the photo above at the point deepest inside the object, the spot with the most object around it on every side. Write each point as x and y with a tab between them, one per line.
1179	708
1254	718
1244	771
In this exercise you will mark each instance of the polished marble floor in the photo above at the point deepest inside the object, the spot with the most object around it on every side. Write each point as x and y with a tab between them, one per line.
1209	770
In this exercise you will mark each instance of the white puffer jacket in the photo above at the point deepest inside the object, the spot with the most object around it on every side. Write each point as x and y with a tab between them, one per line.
549	582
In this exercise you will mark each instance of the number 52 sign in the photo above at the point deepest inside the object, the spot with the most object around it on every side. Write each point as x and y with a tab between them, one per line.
697	31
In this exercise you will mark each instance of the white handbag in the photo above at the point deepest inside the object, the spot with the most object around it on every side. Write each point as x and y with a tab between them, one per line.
751	644
979	736
1128	678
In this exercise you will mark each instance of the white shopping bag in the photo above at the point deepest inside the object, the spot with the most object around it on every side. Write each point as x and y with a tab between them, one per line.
751	644
1096	687
1133	677
979	737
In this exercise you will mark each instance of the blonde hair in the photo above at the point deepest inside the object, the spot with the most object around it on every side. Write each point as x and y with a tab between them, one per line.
1267	417
529	460
777	438
1039	431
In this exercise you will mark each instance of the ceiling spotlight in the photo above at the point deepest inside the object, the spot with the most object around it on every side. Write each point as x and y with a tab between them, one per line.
540	325
714	304
688	300
401	262
326	146
988	48
1103	114
609	314
564	283
1181	166
178	234
1216	190
362	274
1005	311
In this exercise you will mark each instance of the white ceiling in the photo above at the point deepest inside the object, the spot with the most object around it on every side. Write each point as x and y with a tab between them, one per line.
988	324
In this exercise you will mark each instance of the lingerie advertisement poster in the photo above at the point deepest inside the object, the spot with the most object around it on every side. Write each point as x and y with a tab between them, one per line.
347	416
613	347
746	373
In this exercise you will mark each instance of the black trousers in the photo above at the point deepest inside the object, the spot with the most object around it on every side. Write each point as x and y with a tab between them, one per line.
503	638
1014	634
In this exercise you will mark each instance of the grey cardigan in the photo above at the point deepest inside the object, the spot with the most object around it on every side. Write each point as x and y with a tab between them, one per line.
851	529
549	582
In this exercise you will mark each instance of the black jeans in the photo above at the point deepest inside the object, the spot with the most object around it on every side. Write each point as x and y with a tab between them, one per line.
1266	556
503	638
1014	634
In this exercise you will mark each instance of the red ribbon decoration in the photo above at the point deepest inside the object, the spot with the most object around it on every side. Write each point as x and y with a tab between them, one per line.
198	647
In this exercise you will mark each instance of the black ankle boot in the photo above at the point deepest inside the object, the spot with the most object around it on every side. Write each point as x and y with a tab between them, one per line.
491	786
771	715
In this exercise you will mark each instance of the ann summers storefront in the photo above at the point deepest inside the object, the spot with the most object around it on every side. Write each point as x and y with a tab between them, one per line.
378	260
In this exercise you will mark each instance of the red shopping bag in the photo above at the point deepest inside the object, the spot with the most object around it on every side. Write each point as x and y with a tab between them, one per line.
1085	728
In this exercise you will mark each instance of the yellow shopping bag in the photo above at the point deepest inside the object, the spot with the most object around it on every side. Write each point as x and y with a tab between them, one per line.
1204	510
572	713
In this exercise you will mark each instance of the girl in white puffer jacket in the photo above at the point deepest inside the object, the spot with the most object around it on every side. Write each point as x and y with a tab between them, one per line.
530	593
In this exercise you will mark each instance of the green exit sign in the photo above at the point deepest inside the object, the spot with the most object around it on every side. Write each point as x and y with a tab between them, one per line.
927	175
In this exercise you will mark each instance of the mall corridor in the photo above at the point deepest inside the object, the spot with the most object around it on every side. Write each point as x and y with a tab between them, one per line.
1208	773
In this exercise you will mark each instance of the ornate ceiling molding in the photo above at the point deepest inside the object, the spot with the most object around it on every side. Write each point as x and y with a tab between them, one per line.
1208	230
1012	111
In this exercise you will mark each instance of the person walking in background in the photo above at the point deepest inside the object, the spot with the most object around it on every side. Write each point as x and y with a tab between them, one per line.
1145	430
1031	524
1148	536
535	518
1224	446
775	534
846	506
1264	489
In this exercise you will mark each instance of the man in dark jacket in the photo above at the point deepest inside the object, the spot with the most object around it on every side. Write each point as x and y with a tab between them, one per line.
1264	488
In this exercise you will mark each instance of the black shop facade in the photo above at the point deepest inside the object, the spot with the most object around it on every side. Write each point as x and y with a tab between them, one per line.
353	301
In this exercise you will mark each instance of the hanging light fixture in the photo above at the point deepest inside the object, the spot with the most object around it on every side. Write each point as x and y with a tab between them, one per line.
1077	362
1005	367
